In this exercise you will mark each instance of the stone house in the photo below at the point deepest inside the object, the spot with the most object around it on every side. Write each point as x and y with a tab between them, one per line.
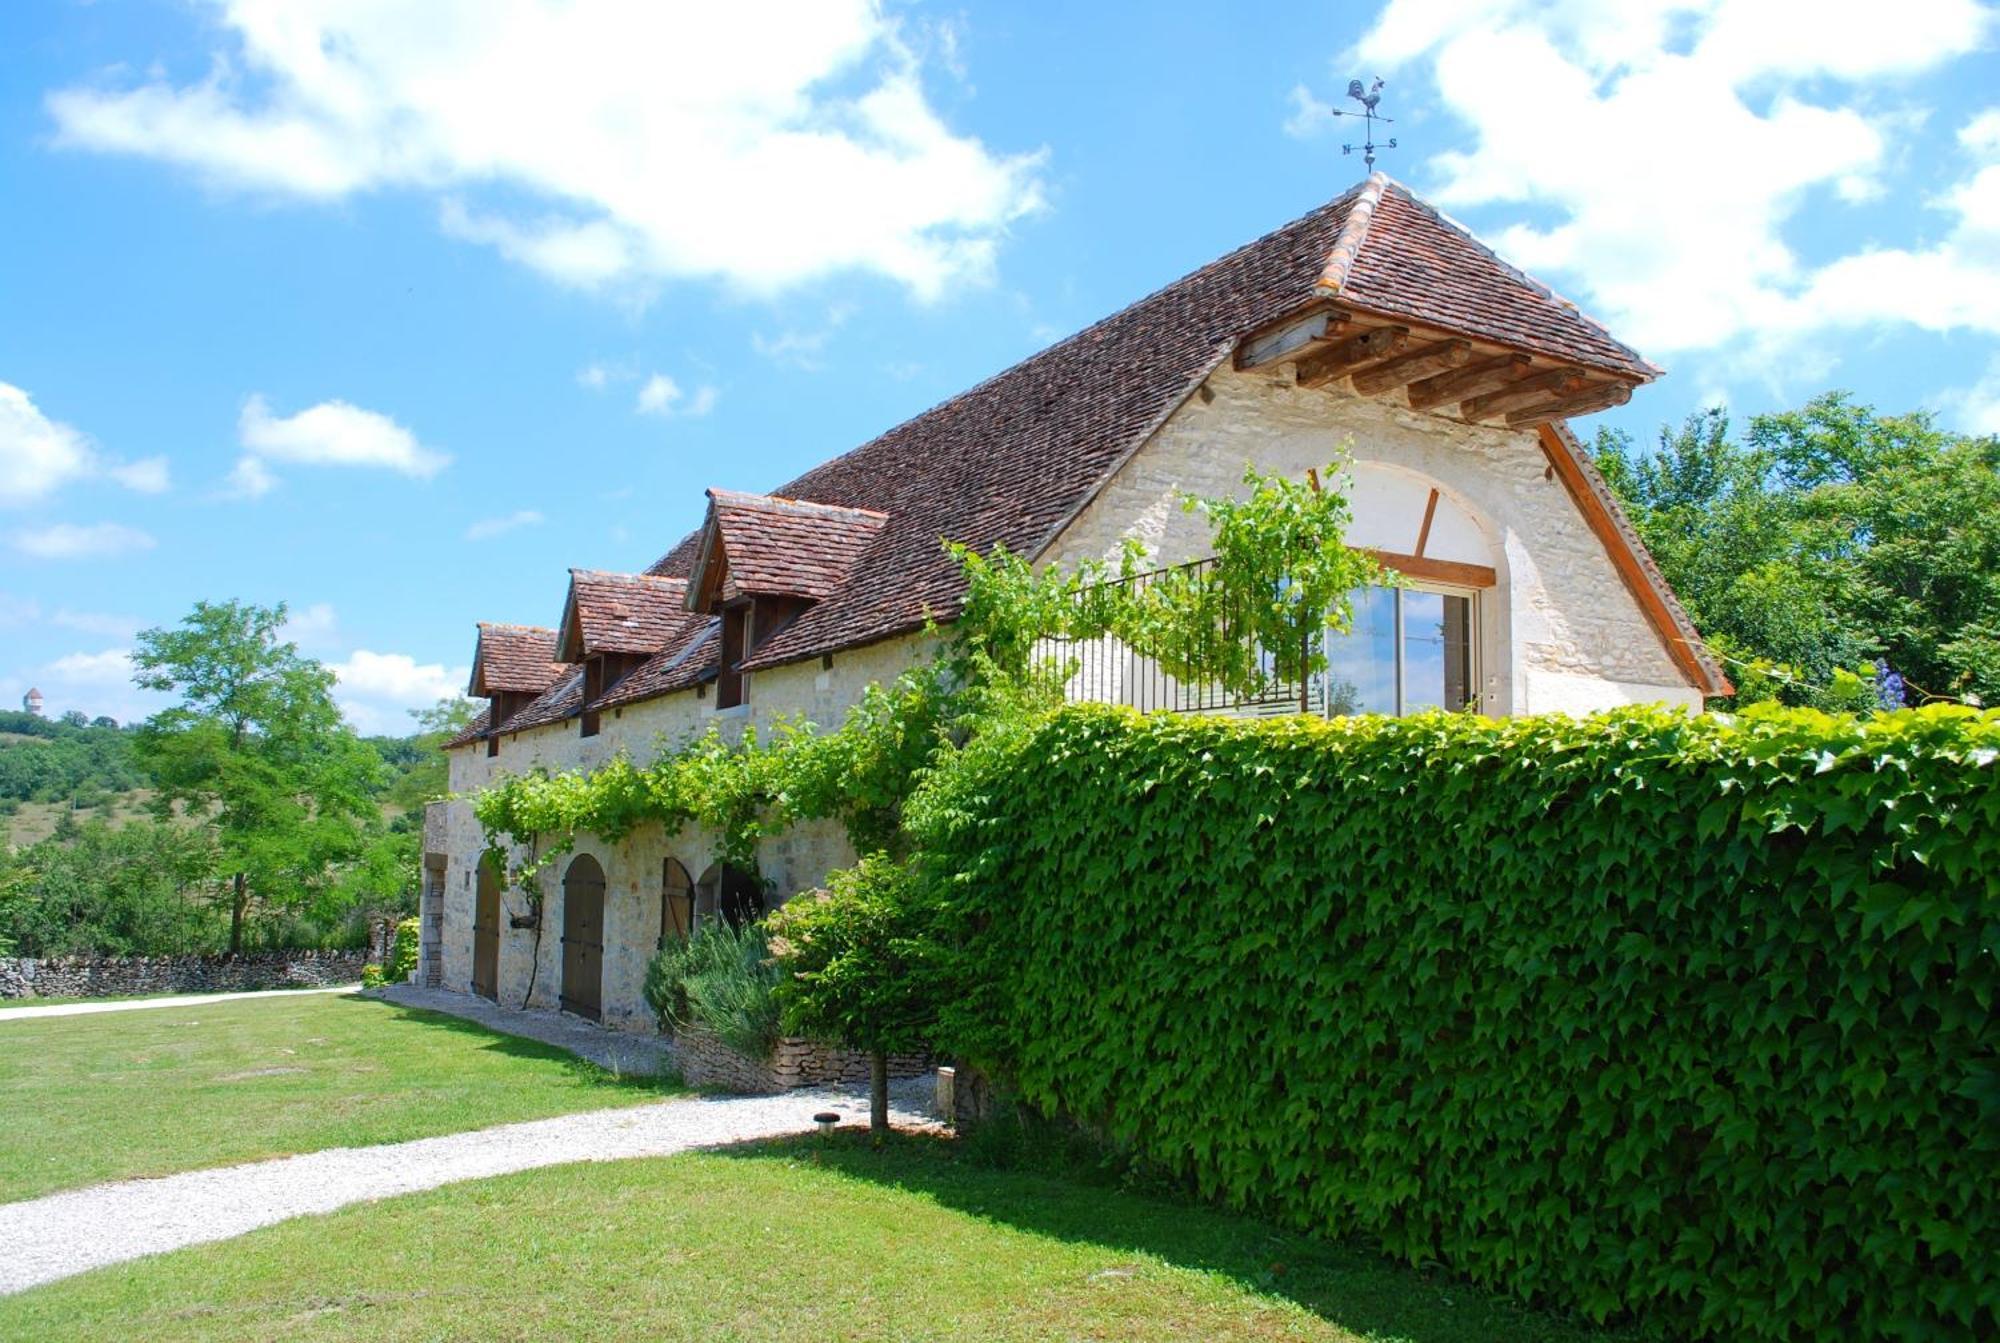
1372	325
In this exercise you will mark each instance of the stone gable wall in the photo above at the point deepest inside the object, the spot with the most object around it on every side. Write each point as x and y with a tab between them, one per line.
106	977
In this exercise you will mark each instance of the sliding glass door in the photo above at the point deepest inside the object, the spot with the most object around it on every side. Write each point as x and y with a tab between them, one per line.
1409	649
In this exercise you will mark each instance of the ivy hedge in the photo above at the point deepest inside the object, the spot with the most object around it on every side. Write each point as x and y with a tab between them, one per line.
1686	1018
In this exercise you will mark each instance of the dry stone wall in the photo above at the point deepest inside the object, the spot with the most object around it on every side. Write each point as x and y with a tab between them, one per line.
105	977
705	1061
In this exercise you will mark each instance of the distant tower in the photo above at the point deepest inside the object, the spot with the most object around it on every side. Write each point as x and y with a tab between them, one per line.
32	701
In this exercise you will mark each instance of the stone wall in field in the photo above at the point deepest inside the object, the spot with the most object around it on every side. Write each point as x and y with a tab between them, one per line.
105	977
705	1061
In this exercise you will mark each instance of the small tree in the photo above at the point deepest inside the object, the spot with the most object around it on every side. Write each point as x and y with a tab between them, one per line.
863	968
256	749
1283	574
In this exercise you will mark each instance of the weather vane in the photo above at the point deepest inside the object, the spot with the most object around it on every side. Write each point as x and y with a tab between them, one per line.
1367	99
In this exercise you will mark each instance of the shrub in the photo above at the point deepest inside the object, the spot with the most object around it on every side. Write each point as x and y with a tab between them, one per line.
721	978
862	967
1679	1016
403	953
372	976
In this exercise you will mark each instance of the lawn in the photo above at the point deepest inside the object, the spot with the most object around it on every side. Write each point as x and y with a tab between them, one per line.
788	1241
123	1094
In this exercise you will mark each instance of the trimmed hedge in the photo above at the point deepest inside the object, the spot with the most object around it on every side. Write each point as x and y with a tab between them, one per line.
1681	1017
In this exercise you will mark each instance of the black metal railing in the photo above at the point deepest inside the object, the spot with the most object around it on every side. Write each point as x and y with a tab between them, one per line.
1107	670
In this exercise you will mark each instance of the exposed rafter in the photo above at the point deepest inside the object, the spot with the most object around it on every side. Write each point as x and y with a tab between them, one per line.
1347	355
1599	396
1521	392
1406	368
1484	376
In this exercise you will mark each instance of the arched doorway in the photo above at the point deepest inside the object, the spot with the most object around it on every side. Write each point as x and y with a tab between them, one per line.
583	938
731	894
486	932
676	902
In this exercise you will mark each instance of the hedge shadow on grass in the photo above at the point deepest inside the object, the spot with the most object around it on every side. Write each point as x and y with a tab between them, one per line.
1343	1284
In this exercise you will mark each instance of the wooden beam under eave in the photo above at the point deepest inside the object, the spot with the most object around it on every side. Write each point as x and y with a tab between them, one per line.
1283	342
1454	572
1363	348
1597	513
1407	368
1473	380
1601	396
1521	392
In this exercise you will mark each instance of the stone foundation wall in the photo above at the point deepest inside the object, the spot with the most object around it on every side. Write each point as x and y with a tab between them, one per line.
106	977
705	1061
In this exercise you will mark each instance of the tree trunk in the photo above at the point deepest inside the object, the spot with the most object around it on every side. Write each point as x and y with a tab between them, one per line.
240	899
878	1094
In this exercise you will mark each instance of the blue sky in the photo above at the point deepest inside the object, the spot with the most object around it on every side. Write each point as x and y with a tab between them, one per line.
393	313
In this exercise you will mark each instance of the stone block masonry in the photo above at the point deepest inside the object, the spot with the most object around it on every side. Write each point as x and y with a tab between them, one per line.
114	976
705	1061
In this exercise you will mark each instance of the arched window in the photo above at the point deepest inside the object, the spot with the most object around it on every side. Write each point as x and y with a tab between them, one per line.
676	902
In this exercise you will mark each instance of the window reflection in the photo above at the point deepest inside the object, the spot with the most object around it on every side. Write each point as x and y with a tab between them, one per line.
1408	650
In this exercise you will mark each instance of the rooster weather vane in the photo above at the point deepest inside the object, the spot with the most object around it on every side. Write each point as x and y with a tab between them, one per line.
1367	98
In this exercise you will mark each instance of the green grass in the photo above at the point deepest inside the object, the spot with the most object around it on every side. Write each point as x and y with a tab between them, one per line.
791	1241
124	1094
13	1004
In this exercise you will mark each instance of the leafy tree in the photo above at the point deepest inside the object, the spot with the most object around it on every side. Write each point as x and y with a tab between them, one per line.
421	772
1826	539
863	967
256	747
1282	575
137	889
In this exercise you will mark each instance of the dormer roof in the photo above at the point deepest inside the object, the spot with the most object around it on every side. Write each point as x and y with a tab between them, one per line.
619	613
771	545
518	659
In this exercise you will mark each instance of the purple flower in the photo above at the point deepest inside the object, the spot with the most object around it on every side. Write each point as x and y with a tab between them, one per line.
1888	685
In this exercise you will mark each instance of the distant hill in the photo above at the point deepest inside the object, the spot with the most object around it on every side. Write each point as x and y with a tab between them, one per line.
52	767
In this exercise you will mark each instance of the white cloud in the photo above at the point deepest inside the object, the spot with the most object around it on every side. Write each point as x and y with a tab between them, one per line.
594	377
1976	409
249	479
649	141
1673	143
94	684
38	455
332	433
313	626
488	528
74	541
661	395
803	348
148	475
377	690
658	395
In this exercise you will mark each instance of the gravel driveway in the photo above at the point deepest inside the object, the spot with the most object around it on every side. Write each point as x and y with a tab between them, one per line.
61	1234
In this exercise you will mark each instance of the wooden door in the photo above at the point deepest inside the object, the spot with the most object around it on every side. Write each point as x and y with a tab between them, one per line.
583	938
486	934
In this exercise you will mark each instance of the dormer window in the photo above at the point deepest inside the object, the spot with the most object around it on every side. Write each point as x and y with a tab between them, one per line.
764	561
511	668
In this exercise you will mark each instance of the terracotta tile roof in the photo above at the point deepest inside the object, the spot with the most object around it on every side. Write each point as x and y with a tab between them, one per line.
779	546
686	662
514	657
562	700
470	733
1011	461
1401	258
620	613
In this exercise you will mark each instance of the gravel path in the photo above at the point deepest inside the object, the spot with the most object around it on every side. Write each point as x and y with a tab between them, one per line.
630	1053
48	1238
141	1004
